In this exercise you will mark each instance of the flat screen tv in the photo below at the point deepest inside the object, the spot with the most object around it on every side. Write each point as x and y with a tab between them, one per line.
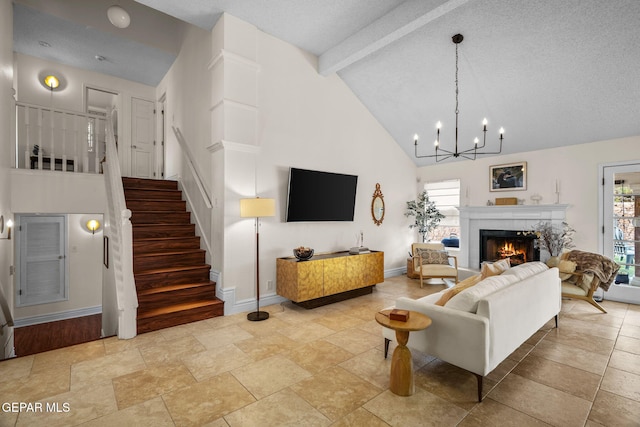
320	196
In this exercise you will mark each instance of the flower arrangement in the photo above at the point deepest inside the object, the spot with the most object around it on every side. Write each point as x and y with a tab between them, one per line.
427	216
553	239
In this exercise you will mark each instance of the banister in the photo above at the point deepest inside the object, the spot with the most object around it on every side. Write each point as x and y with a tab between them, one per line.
120	229
192	166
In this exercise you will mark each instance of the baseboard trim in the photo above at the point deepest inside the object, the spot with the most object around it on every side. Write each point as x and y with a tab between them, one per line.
392	272
231	306
53	317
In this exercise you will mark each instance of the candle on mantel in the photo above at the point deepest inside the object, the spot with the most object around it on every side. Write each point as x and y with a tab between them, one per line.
557	186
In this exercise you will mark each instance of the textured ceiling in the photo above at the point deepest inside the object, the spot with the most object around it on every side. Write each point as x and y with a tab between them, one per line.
551	72
78	31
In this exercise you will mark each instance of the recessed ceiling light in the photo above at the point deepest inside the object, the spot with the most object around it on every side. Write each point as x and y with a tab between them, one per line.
44	43
100	58
118	16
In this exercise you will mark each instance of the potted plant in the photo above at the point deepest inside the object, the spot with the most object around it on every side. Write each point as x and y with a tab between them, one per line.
426	214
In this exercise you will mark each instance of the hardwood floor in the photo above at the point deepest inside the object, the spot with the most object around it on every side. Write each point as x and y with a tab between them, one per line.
52	335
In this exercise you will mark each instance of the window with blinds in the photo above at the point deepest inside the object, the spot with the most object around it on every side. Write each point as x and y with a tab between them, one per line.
446	195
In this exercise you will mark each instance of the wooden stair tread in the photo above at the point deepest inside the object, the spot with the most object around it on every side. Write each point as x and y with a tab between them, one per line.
163	239
178	308
171	288
145	227
173	269
171	252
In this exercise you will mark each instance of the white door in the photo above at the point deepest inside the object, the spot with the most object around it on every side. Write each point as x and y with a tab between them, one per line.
142	139
621	227
42	264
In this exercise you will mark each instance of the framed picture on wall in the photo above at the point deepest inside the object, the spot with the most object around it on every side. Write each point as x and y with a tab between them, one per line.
508	177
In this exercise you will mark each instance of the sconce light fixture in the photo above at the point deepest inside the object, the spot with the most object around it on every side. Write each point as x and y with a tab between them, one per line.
52	82
93	225
118	16
9	225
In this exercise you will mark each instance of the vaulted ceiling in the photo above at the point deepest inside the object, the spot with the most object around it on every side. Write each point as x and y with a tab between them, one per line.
551	72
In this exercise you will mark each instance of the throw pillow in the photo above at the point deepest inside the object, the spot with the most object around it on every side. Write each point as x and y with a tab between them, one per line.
432	256
494	269
455	290
566	267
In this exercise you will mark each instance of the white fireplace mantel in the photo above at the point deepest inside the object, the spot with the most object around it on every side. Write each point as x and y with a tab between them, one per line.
510	217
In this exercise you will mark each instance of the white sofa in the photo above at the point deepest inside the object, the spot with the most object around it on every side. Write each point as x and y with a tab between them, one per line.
479	327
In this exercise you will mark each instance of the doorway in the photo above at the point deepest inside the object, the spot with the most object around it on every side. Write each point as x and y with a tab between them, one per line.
621	228
101	103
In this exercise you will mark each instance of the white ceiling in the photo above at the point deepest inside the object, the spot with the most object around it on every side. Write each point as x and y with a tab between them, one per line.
552	72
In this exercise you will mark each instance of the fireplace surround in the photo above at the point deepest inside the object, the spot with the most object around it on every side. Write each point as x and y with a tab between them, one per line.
510	217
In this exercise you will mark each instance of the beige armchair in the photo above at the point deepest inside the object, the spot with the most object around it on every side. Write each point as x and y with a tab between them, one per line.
581	286
589	271
430	262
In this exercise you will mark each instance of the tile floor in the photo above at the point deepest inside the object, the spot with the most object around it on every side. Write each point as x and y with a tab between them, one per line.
325	367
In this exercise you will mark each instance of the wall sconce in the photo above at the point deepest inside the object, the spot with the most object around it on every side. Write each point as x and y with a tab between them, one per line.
9	225
52	82
93	225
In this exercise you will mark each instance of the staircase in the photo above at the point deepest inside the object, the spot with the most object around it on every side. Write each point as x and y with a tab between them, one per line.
172	278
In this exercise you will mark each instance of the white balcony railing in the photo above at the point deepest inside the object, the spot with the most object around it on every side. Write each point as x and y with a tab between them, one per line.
56	139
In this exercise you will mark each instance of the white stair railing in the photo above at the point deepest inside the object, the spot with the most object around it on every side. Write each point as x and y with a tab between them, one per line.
121	242
195	192
56	139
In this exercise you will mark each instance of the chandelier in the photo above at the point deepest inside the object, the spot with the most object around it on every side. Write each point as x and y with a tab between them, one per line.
470	153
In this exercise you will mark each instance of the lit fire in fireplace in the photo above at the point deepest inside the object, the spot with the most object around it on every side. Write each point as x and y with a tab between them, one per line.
509	251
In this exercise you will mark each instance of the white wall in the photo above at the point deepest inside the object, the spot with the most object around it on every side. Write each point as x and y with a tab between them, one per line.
309	121
575	167
187	89
6	126
85	270
35	191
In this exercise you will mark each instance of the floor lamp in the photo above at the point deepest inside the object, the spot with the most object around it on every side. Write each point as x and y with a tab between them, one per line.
257	208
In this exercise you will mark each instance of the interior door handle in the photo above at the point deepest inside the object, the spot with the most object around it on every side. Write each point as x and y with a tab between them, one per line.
134	147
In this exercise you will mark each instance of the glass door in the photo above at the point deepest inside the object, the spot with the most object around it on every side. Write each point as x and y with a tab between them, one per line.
622	229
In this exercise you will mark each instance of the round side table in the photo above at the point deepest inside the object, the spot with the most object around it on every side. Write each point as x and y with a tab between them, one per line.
401	377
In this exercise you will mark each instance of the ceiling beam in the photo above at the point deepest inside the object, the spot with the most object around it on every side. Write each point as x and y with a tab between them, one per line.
403	20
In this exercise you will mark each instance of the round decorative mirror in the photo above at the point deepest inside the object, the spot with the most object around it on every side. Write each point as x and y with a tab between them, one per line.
377	206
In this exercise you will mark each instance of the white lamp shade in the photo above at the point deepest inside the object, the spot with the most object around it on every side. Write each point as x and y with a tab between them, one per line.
257	207
118	16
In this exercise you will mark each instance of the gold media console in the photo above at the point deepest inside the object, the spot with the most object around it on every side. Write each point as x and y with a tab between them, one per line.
328	278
